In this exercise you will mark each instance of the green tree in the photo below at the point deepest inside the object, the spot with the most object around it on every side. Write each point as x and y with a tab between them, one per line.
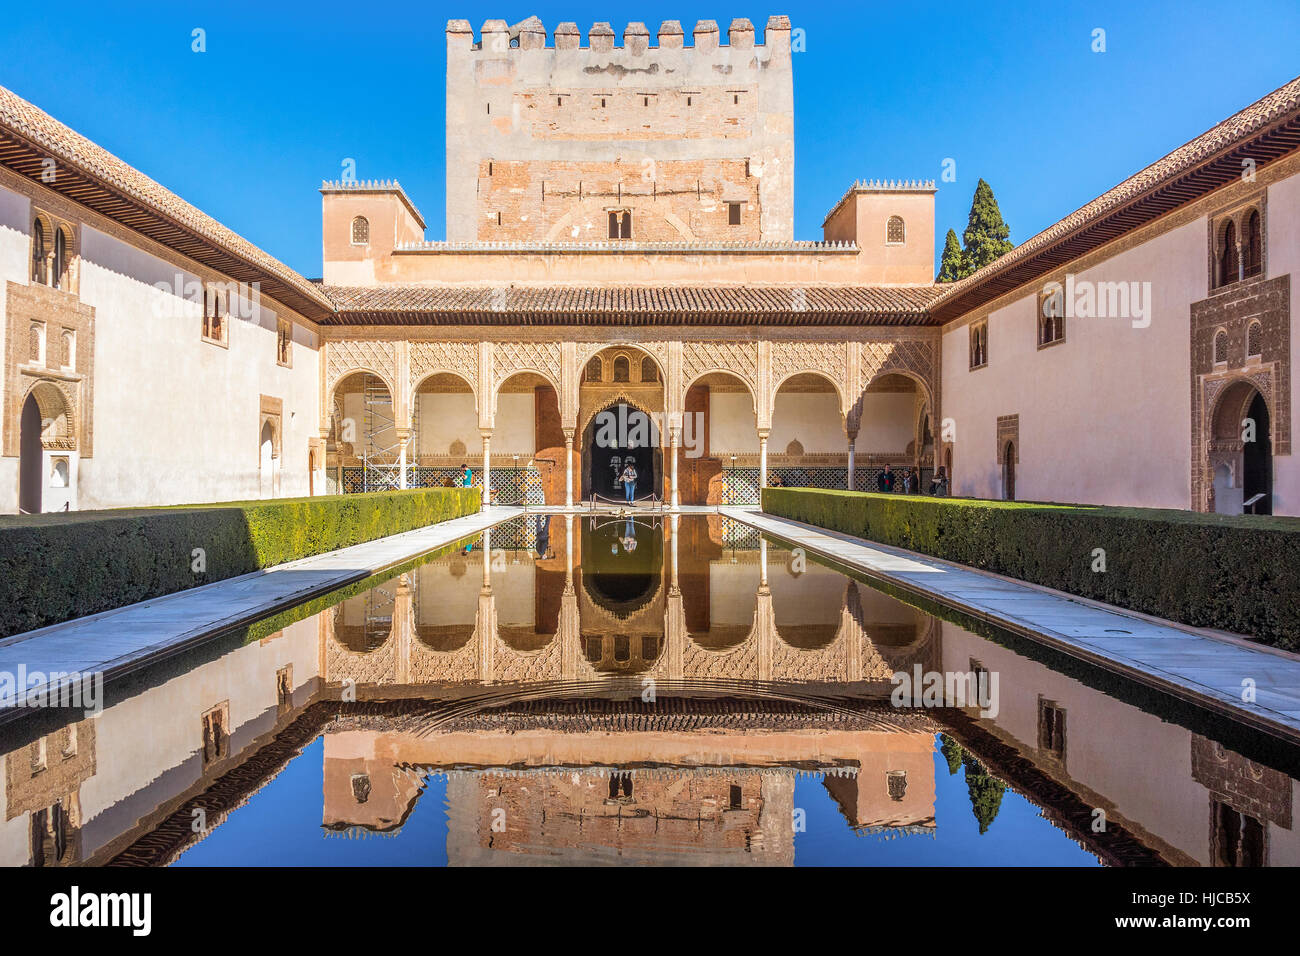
950	266
987	236
950	749
985	792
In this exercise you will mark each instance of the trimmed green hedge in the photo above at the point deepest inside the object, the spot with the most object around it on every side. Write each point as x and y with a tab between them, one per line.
56	567
1234	573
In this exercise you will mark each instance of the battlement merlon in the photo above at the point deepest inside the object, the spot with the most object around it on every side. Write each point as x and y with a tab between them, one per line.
499	39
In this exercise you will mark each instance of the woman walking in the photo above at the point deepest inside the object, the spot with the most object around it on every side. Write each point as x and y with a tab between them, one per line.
628	478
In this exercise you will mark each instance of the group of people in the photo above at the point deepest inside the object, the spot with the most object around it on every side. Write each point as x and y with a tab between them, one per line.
908	482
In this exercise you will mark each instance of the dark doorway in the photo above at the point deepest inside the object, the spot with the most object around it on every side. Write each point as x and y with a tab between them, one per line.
1009	472
29	461
1257	460
620	435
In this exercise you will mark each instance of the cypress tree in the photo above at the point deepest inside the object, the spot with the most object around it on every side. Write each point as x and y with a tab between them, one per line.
950	266
951	750
987	236
985	792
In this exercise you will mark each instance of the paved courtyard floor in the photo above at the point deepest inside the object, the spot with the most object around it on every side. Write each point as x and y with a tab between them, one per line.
1193	665
125	638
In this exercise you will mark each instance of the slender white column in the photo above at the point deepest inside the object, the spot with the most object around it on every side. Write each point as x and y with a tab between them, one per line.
402	438
851	483
762	562
762	460
676	441
568	468
487	466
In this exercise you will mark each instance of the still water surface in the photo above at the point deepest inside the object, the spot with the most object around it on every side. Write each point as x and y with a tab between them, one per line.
604	690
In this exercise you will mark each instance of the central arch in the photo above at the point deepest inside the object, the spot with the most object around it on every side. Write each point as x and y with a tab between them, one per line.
622	399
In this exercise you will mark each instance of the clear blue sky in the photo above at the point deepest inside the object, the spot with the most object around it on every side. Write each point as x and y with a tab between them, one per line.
286	91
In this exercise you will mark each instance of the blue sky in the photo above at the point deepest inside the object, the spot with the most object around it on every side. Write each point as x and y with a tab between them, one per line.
285	92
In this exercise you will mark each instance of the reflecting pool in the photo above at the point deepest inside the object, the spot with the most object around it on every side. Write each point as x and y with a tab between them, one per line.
611	690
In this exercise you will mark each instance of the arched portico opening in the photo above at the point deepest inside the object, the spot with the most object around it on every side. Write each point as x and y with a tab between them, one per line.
527	442
363	448
445	435
894	427
47	446
807	444
1241	451
719	460
620	408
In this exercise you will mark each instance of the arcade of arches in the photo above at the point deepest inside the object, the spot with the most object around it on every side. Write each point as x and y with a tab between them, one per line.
554	422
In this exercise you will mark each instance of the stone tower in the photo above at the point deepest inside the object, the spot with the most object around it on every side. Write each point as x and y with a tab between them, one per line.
649	143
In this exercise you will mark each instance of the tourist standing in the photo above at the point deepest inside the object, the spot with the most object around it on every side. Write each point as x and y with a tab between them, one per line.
885	480
939	483
467	477
628	478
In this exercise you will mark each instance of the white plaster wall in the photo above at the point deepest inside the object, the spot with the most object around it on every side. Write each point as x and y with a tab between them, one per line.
15	252
1111	747
811	418
1282	250
888	422
1105	417
515	430
444	419
177	419
732	427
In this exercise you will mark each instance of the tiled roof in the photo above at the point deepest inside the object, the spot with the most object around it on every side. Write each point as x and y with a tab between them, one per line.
632	305
96	178
1265	130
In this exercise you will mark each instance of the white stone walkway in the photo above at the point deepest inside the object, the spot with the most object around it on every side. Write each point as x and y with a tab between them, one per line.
113	641
1208	671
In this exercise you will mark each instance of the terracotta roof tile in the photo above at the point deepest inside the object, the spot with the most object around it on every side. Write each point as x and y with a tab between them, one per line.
638	305
69	148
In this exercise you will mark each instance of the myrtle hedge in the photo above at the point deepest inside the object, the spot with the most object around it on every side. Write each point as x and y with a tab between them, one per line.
56	567
1234	573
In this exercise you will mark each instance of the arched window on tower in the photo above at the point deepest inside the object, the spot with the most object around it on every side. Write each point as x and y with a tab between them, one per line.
1254	251
59	279
649	370
1254	340
1228	255
1221	347
594	370
895	231
38	252
360	231
622	369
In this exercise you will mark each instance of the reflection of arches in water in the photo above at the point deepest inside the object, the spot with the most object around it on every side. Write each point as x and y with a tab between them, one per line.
365	622
806	608
444	638
622	564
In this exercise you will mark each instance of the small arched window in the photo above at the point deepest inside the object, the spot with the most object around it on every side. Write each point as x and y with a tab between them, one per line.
622	369
1254	245
60	277
1228	255
1254	340
360	231
38	252
649	370
895	231
1221	347
1051	316
36	345
69	350
594	370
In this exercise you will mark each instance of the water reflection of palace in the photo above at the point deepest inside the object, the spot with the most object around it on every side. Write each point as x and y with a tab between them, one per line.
631	784
621	597
574	778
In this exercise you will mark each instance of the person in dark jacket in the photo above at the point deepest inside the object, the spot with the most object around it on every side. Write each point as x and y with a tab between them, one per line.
885	480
